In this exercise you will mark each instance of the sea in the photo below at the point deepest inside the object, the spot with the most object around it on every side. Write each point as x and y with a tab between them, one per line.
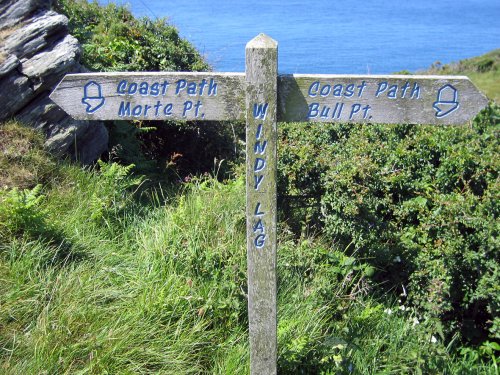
334	36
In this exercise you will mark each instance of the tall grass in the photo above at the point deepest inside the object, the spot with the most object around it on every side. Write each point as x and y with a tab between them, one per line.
120	286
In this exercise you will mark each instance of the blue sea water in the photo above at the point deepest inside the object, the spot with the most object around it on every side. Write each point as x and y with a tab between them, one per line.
334	36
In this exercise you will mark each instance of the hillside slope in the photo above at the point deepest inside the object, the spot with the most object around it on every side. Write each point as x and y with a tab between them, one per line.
483	70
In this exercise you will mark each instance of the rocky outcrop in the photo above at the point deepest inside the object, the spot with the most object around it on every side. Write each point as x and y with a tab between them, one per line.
36	51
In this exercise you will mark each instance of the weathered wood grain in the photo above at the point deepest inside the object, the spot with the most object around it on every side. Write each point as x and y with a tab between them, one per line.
262	97
261	136
152	96
393	99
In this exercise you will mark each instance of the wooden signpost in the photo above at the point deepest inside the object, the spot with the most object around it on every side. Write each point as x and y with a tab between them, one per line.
262	98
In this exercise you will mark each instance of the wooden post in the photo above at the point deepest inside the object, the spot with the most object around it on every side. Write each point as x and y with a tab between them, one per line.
261	105
441	100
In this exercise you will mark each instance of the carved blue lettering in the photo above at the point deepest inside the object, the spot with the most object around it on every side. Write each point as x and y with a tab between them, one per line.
366	109
188	105
313	110
382	86
405	88
124	110
181	85
260	164
167	111
260	148
337	90
313	89
325	90
197	108
259	131
157	107
260	111
191	89
349	90
257	210
259	227
203	83
325	111
120	90
361	89
132	89
137	110
338	107
143	88
415	92
258	181
393	92
260	241
155	89
164	87
354	109
212	88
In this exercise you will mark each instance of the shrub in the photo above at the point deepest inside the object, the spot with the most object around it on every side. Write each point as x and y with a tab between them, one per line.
420	202
114	40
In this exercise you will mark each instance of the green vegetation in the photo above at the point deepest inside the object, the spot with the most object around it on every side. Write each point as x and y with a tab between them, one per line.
99	276
419	203
113	40
388	256
483	70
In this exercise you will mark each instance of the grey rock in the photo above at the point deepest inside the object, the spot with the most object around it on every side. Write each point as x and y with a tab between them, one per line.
36	52
84	141
91	144
15	93
49	66
25	41
13	12
42	114
62	137
8	65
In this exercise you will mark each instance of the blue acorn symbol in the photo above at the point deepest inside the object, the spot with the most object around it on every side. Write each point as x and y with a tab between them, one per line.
92	97
447	101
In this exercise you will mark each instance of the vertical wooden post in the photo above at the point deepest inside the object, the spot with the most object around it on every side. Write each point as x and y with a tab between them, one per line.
261	99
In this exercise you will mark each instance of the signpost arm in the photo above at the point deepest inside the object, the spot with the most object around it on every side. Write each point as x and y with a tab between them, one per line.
261	135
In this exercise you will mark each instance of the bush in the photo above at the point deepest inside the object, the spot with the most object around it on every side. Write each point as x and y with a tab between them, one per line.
114	40
420	202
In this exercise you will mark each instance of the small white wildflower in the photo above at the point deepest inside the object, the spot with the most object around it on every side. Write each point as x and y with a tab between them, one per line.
433	339
397	259
388	311
402	307
415	321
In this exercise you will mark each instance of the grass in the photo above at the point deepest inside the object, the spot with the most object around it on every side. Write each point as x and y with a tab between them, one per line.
484	71
23	162
155	282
